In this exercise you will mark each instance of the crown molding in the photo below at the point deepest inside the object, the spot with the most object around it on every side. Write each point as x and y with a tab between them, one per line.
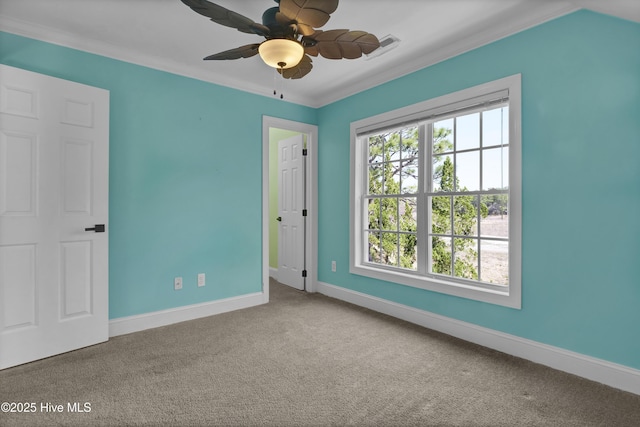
122	53
516	21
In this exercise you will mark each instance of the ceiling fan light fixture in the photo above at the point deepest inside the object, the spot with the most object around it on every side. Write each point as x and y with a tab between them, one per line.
281	53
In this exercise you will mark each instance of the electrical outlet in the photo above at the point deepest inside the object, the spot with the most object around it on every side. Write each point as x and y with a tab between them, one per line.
201	280
333	266
177	283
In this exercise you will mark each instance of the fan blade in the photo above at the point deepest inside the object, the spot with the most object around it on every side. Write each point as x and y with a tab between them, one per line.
284	21
226	17
339	44
308	14
299	71
246	51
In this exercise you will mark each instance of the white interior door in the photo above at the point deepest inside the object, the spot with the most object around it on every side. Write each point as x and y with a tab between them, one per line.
54	154
290	206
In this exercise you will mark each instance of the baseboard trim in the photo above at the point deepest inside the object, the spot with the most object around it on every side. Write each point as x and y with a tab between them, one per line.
127	325
273	273
602	371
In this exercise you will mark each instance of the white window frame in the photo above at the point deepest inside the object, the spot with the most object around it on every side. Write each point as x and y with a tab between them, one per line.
508	296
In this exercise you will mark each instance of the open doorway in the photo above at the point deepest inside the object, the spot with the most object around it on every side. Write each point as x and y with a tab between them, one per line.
280	136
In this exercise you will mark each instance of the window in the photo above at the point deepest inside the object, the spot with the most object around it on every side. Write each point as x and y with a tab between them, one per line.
391	198
436	194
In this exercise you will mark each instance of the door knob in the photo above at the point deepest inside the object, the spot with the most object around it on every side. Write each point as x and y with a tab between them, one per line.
279	219
98	228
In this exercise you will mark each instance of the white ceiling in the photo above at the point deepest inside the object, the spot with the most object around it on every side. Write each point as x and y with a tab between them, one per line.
167	35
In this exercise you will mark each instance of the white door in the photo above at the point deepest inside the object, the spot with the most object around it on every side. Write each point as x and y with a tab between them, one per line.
290	206
54	154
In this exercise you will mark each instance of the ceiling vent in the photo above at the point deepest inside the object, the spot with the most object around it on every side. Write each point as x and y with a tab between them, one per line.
387	43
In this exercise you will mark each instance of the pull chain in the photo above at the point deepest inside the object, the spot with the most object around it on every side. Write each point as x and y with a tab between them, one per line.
275	77
281	73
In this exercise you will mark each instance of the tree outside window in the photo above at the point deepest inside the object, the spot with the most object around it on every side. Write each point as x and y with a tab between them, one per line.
457	213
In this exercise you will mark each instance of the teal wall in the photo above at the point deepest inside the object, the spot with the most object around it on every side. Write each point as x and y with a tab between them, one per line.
581	183
185	177
186	180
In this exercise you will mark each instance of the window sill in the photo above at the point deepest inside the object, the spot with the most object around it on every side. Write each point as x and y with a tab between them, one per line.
492	296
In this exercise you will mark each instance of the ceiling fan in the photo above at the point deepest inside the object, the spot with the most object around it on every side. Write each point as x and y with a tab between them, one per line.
291	34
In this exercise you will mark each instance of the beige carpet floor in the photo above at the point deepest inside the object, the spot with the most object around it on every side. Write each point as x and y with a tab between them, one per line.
304	360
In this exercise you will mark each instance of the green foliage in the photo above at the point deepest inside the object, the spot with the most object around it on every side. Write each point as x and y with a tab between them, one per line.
392	161
495	204
464	224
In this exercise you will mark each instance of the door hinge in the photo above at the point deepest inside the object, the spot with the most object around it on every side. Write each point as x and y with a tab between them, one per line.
304	151
304	273
304	212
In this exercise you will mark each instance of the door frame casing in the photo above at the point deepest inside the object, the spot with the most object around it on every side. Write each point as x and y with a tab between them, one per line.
311	225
